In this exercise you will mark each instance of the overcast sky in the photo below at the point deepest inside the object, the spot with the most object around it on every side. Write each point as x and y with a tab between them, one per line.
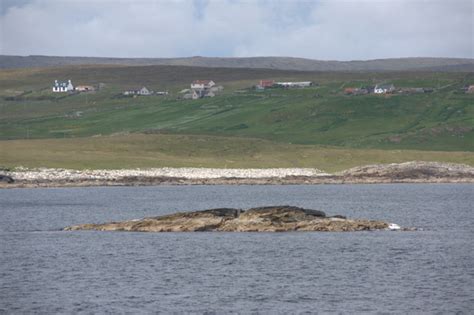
328	30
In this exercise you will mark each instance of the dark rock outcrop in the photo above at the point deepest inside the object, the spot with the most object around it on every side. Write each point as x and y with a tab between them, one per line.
265	219
6	179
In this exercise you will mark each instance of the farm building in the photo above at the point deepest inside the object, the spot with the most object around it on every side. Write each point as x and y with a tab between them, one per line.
411	90
384	88
217	88
356	91
369	88
349	91
201	88
266	83
142	91
302	84
63	86
202	84
197	93
84	88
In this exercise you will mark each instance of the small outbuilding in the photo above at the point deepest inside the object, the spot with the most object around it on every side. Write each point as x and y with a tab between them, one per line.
84	88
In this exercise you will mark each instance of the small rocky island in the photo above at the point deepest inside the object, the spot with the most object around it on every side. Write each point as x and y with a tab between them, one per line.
263	219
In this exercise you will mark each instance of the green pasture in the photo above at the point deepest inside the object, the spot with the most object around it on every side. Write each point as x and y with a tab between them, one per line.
317	117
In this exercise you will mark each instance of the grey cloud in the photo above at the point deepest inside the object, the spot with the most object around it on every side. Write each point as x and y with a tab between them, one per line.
341	30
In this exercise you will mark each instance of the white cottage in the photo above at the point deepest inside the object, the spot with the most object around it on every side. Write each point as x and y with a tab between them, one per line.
63	86
144	91
384	88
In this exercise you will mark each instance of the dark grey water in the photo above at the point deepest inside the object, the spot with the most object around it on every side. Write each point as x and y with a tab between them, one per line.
44	270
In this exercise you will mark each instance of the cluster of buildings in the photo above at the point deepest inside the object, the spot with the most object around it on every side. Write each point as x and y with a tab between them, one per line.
265	84
208	88
415	90
62	87
200	89
356	91
144	91
385	89
377	89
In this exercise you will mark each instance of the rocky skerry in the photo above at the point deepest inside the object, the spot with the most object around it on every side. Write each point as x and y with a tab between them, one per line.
263	219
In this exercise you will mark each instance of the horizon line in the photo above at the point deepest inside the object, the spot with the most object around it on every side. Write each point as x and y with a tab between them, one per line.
232	57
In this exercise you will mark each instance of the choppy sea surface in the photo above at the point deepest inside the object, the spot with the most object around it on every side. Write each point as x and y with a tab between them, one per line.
45	270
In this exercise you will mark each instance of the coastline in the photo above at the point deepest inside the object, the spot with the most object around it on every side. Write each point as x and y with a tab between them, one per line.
408	172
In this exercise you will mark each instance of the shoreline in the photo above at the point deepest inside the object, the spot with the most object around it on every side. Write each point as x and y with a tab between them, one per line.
408	172
234	182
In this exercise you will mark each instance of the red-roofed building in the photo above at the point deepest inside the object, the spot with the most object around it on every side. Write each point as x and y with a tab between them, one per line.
349	91
266	83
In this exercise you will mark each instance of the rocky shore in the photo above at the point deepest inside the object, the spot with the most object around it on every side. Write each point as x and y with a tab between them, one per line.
409	172
265	219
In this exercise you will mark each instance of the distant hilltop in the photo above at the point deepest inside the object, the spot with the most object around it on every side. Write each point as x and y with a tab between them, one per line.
281	63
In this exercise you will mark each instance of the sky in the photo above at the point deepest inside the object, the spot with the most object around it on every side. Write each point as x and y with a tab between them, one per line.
319	29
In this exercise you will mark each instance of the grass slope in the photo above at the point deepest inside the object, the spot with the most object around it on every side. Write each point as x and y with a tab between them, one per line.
321	115
146	151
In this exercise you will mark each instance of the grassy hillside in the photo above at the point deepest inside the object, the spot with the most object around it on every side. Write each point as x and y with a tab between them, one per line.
144	151
320	115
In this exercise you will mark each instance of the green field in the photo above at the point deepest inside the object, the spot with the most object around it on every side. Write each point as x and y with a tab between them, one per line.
318	126
145	151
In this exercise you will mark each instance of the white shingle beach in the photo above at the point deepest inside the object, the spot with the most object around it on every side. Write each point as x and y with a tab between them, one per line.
408	172
189	173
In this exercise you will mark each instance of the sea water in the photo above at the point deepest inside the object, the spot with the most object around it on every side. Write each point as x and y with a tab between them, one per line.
46	270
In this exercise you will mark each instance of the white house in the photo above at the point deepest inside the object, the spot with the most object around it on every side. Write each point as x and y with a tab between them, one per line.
63	86
202	84
201	88
144	91
384	88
